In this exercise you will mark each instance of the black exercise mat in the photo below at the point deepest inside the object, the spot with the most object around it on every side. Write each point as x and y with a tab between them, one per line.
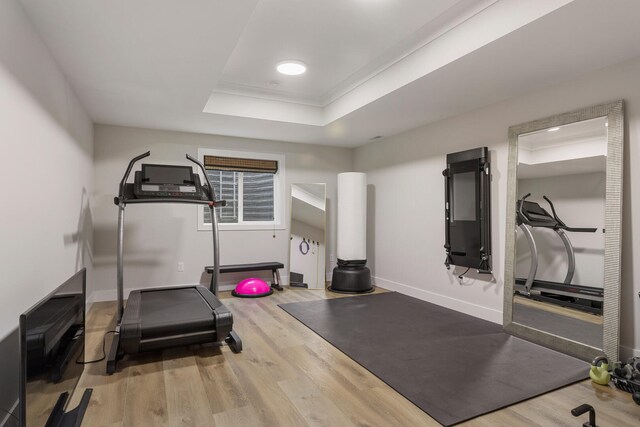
451	365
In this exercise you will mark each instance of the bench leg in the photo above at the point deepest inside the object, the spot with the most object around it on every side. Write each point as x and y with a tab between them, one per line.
276	280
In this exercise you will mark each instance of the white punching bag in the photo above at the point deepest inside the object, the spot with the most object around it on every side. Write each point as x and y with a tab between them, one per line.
351	274
352	216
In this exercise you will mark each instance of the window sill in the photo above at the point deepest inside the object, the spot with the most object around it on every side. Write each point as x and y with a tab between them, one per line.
244	227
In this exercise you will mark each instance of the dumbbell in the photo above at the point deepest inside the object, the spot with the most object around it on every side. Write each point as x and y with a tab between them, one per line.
629	370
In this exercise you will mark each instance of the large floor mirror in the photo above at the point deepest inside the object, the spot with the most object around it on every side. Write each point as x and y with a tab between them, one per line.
563	237
307	242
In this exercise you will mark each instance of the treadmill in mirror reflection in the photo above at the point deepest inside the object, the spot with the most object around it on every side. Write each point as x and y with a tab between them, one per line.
52	344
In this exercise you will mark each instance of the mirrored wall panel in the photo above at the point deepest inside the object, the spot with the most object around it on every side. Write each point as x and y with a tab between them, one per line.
307	242
559	269
52	339
562	272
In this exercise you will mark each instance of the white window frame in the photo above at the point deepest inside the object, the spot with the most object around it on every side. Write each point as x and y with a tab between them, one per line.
278	192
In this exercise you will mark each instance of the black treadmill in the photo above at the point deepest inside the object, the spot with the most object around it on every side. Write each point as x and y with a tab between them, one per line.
565	293
164	317
52	327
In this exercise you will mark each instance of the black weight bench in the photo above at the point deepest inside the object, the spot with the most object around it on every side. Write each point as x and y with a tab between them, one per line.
259	266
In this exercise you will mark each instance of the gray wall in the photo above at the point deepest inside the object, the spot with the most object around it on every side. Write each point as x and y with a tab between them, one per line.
47	143
406	232
157	237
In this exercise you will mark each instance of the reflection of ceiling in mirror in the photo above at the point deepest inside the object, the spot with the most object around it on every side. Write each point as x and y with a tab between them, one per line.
307	214
566	150
560	168
587	130
314	189
308	204
313	194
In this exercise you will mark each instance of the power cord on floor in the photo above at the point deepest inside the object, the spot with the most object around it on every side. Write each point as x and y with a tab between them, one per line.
465	272
10	413
104	353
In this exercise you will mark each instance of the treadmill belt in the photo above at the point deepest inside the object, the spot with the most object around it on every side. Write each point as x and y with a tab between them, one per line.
174	311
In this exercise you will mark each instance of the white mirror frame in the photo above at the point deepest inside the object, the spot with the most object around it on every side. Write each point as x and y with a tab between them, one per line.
614	112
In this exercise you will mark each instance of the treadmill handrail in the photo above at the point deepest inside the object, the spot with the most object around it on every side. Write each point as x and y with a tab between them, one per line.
565	226
169	200
522	203
128	172
559	224
581	229
553	210
212	193
213	287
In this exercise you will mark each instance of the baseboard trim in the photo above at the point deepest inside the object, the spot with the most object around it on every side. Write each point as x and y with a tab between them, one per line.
465	307
628	352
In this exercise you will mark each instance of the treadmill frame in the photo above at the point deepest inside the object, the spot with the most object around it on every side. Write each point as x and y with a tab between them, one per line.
223	317
586	295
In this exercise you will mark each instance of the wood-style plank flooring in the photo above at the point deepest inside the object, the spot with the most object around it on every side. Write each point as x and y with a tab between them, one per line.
287	376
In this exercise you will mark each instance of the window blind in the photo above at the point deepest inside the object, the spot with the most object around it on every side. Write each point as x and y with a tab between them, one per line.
236	164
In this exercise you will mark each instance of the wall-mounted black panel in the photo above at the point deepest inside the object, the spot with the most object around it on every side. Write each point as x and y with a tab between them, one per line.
468	209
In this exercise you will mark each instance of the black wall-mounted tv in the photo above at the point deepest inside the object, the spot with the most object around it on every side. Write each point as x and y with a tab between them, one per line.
52	339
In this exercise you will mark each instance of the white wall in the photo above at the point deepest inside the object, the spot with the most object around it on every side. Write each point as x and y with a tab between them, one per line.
46	139
405	246
158	236
579	201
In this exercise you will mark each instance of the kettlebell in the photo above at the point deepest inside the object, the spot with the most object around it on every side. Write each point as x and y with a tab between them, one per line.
599	371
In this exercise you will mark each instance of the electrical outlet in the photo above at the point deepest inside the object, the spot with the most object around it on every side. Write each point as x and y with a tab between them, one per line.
180	266
332	257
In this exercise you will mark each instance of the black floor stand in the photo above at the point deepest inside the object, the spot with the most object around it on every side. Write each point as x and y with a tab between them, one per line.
73	418
351	277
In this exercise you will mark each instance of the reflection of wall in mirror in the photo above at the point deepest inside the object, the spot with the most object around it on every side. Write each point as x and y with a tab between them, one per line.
311	265
580	202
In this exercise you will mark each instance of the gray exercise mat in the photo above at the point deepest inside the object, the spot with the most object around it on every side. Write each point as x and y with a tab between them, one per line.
451	365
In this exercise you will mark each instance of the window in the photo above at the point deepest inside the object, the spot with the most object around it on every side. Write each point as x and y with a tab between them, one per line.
251	185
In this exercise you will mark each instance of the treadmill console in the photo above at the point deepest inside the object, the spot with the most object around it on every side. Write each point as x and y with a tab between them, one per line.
157	181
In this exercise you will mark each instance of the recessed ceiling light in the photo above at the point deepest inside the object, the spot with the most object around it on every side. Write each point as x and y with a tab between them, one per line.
291	68
553	129
606	124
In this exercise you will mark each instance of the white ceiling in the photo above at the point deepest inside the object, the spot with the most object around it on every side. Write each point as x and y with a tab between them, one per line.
338	40
376	67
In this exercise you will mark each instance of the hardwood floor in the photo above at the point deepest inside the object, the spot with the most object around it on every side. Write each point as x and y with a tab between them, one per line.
287	376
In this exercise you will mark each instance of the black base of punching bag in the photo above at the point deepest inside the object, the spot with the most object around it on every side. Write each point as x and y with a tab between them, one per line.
351	277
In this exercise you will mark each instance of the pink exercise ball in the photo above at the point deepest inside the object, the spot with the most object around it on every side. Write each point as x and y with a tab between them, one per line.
252	288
